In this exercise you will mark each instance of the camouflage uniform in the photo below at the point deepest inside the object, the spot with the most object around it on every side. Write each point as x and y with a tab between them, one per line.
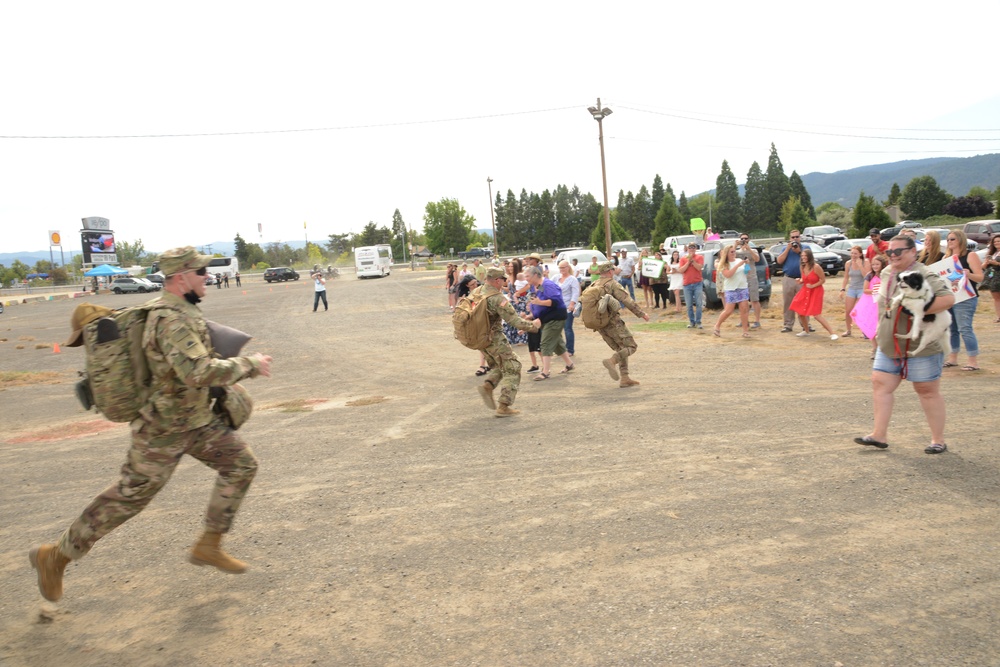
177	420
616	334
504	366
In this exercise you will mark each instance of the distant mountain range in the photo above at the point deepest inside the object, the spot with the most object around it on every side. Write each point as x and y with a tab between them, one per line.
956	175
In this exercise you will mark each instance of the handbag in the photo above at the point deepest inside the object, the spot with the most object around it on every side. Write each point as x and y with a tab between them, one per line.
991	281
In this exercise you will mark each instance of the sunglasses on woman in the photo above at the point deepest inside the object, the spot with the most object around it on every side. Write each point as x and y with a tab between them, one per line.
895	252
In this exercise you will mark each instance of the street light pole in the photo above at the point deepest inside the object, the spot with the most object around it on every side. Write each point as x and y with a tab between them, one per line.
600	113
496	244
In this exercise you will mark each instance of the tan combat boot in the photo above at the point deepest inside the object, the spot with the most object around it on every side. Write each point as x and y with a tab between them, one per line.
610	365
627	381
504	410
50	564
486	391
209	552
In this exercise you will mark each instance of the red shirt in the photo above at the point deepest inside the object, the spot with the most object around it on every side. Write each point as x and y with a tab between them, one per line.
693	268
876	249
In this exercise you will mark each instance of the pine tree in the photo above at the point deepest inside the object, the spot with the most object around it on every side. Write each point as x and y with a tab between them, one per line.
398	234
798	189
656	196
894	195
618	233
685	211
793	216
642	218
868	215
728	214
755	200
777	187
668	219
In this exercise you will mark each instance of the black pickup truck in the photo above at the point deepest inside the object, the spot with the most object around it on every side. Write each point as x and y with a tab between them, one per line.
475	252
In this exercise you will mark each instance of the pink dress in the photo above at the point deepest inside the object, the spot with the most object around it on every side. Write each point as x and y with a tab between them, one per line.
865	313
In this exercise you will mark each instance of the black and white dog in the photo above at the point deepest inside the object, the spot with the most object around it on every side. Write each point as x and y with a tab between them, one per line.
913	297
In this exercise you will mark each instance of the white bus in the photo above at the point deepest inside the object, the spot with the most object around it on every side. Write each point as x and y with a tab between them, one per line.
373	260
224	266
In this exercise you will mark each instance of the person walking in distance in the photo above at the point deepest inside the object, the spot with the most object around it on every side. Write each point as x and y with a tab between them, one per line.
504	367
320	290
177	419
790	259
616	334
238	279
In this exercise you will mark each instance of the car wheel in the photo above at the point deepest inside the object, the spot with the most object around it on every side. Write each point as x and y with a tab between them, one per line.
142	290
118	290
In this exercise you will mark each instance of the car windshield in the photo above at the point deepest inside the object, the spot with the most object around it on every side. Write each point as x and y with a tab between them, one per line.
825	230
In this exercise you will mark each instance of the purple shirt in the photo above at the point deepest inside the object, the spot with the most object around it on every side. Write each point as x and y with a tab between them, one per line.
547	290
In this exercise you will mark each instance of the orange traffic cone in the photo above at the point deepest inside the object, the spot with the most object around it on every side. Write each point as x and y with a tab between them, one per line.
244	292
55	348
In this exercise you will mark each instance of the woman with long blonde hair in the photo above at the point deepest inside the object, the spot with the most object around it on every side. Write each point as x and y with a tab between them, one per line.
963	312
932	249
732	276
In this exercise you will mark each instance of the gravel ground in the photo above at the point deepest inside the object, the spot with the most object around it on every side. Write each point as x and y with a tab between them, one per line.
718	514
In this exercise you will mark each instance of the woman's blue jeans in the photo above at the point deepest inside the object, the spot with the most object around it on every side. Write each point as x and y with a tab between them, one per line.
570	336
961	326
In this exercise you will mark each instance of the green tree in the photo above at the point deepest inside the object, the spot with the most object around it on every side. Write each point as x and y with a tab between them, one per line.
447	225
835	215
624	209
398	235
728	213
699	206
240	250
755	201
130	254
776	186
668	220
894	195
255	254
798	189
338	244
656	196
618	233
314	255
684	210
923	198
642	216
793	216
868	214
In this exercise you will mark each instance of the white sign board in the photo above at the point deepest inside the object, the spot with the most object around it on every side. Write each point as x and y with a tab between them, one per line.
100	224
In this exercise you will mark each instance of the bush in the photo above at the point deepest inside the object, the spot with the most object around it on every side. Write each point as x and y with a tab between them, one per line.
968	207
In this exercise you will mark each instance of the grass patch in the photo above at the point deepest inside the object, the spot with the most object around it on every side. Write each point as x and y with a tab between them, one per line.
24	378
368	400
659	326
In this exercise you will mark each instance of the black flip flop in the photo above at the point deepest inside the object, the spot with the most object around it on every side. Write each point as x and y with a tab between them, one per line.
872	442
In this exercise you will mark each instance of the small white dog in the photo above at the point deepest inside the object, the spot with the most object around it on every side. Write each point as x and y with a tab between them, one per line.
914	295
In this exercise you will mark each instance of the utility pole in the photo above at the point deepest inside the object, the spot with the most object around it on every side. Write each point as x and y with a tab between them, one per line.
600	113
496	244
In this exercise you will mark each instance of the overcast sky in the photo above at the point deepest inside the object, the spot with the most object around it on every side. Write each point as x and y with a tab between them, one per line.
412	102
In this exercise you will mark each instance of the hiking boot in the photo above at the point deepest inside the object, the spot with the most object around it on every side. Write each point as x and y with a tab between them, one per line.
504	410
50	564
610	365
486	391
209	551
627	381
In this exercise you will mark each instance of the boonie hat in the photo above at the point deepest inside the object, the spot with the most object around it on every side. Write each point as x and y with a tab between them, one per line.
83	315
604	267
534	256
179	260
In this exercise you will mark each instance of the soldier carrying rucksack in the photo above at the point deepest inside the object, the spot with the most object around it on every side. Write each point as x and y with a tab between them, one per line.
504	366
600	304
176	373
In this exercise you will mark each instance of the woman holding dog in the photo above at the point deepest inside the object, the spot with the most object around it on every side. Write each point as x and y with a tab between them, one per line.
962	313
892	361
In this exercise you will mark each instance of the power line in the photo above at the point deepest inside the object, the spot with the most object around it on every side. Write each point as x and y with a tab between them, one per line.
311	129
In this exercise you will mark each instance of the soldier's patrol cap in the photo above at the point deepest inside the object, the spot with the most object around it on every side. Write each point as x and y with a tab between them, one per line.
604	267
493	274
179	260
83	315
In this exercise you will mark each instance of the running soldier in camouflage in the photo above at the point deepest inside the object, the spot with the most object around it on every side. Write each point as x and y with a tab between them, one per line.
616	334
504	367
177	420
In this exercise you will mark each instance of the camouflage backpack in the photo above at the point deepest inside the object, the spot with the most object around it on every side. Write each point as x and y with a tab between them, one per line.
472	322
597	307
116	379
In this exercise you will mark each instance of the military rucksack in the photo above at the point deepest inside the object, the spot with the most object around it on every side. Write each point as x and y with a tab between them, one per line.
472	322
116	379
597	306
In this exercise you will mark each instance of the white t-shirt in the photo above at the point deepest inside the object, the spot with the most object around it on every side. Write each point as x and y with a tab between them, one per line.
738	281
320	284
627	267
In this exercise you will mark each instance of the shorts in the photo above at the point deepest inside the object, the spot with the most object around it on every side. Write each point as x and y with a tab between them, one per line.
552	338
918	369
855	292
534	341
737	295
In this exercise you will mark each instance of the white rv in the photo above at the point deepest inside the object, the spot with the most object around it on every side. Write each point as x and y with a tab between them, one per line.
373	260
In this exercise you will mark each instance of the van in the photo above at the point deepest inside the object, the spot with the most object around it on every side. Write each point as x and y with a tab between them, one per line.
373	261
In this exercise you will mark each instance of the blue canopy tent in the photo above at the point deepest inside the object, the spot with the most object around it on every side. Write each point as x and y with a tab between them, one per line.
105	270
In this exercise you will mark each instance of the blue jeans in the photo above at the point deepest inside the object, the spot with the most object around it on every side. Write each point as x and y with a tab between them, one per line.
961	326
320	295
627	284
570	336
694	295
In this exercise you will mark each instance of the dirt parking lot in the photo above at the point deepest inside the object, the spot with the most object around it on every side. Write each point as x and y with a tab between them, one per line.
719	514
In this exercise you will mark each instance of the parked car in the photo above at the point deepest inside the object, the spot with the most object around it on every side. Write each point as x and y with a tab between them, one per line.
129	284
672	243
709	277
155	278
472	253
831	262
843	248
823	235
729	234
981	230
423	254
150	285
943	233
772	263
280	274
583	258
911	224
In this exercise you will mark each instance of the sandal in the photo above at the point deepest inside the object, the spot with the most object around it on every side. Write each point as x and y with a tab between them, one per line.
970	368
846	334
567	369
542	376
949	364
716	333
746	335
935	448
483	370
872	442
